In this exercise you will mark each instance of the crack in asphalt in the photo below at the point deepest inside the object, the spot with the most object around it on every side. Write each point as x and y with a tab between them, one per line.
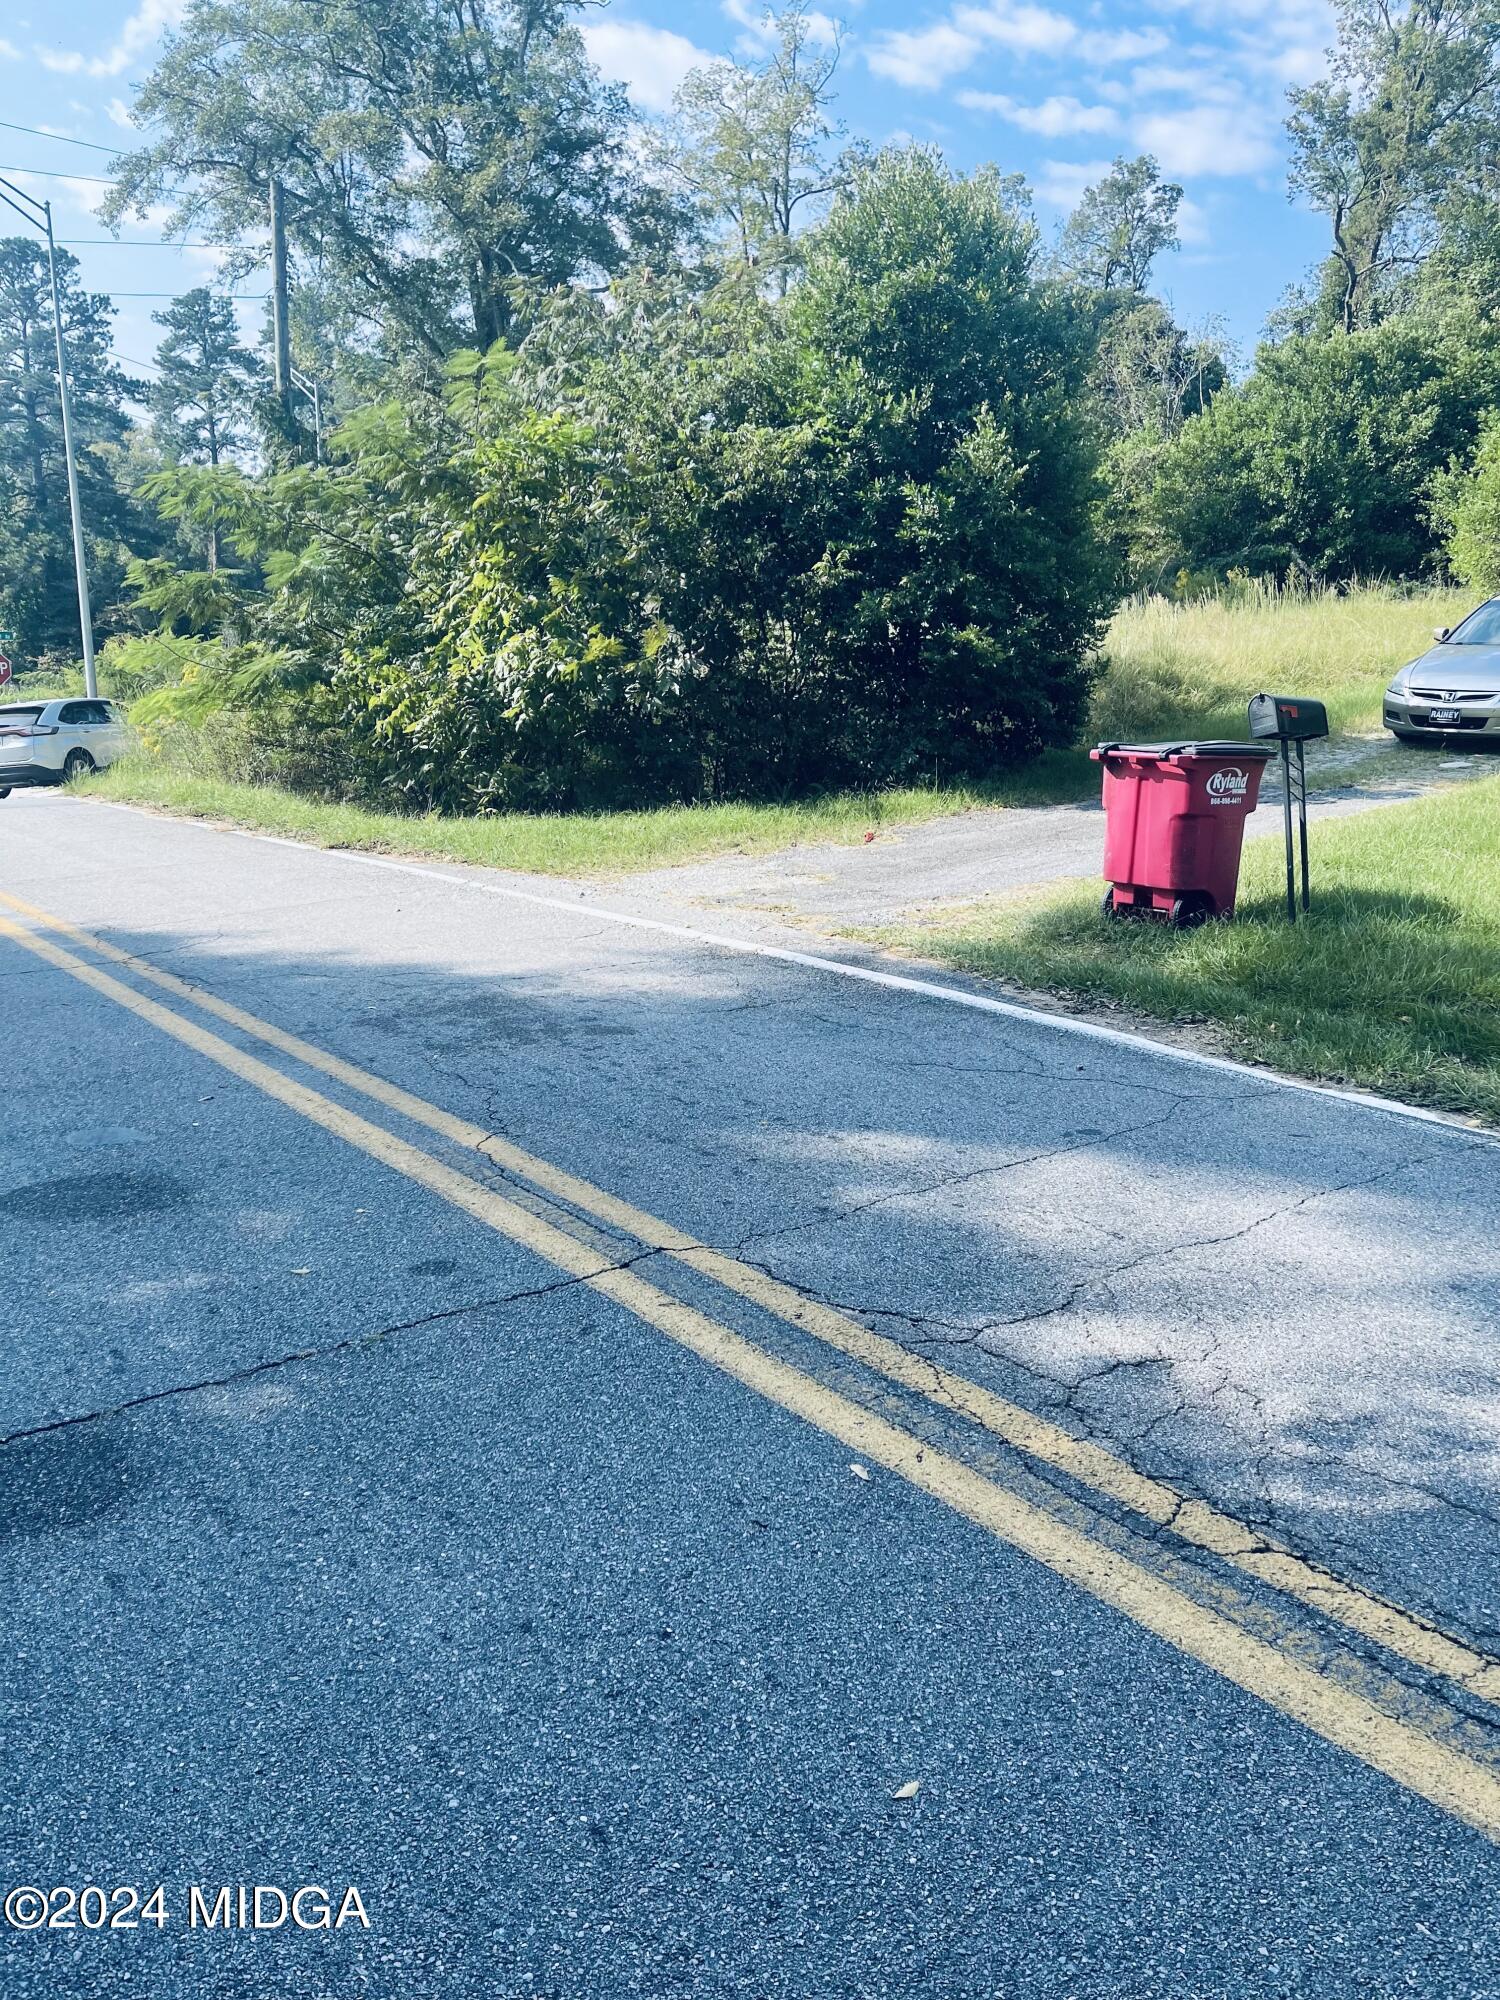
834	1214
351	1343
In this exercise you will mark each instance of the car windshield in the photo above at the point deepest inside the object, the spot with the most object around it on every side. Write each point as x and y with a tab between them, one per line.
1480	628
18	718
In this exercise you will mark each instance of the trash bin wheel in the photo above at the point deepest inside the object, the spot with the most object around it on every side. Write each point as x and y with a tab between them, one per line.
1191	910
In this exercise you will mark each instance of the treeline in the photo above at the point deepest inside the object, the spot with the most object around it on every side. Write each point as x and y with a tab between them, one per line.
724	458
1362	442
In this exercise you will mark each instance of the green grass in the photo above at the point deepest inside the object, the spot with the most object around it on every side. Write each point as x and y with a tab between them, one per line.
1189	669
1392	983
576	844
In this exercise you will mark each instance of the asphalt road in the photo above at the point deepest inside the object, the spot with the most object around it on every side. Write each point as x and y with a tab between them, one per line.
380	1507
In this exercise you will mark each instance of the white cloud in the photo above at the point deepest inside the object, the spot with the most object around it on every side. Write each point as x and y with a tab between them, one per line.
119	114
1054	118
1128	45
1061	182
922	60
145	27
1299	62
1166	80
1212	138
8	51
650	62
1285	41
1026	29
925	57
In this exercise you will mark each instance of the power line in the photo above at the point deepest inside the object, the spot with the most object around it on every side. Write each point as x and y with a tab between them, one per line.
40	132
57	174
233	298
94	180
145	243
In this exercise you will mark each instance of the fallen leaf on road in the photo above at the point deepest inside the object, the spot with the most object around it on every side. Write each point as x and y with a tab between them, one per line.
859	1471
909	1790
302	1271
868	838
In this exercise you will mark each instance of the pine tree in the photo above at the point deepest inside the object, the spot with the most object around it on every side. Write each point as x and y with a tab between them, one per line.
37	593
202	401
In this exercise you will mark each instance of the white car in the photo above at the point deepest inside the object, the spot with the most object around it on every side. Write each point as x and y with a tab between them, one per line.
48	742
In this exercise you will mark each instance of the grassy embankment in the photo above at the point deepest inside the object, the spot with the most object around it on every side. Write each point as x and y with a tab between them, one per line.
1171	670
1393	983
601	844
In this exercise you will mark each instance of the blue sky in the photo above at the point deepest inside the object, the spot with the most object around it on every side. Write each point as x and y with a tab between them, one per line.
1052	88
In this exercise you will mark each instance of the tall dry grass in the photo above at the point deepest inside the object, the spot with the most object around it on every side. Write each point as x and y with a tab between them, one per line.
1190	668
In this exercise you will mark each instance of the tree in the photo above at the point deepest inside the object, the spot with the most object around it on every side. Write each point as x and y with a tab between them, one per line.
698	543
1467	510
1319	465
432	154
1149	376
751	141
202	399
1152	374
1120	227
37	588
836	539
1394	139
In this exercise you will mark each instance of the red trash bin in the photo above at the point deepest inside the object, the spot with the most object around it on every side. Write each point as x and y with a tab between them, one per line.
1174	824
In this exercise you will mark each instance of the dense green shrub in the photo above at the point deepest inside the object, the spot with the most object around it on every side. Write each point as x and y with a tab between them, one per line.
1467	509
703	544
1319	465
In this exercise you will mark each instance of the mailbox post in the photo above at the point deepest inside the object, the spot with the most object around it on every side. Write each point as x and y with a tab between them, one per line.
1291	719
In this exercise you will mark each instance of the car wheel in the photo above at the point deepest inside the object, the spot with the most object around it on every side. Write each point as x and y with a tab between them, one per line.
78	764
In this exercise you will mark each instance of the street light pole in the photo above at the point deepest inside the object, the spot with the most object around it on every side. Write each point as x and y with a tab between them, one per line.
80	554
29	209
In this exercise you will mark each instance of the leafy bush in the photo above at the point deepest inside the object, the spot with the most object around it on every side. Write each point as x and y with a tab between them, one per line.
1467	507
1318	467
700	545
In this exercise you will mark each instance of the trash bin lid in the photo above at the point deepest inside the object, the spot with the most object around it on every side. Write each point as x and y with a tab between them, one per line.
1221	749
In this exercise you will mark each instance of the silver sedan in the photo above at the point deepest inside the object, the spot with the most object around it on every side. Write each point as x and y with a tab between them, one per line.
1455	686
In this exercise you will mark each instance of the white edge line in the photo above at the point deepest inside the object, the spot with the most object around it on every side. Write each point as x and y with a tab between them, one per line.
927	989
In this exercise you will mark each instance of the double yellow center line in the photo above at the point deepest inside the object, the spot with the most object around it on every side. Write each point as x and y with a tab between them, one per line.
1417	1741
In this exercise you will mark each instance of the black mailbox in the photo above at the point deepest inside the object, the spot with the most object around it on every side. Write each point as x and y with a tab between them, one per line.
1288	716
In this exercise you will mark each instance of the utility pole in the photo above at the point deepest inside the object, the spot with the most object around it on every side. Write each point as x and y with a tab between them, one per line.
281	328
80	554
39	215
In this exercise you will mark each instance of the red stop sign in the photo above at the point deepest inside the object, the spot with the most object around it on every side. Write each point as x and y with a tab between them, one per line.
4	670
